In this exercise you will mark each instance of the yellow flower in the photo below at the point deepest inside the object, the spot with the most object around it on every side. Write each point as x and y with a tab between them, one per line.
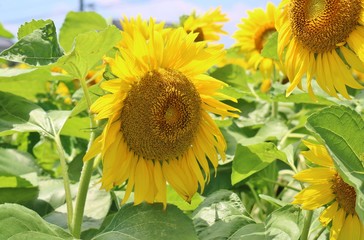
158	128
208	26
328	189
252	35
323	39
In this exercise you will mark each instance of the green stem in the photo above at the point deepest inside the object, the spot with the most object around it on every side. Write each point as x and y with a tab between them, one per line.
306	227
66	181
274	112
319	233
85	174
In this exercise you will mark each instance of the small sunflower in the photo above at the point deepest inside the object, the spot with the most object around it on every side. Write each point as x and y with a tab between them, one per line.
208	26
252	35
327	188
159	129
323	39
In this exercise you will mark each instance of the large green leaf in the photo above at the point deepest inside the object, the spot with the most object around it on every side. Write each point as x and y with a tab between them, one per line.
233	75
285	223
14	162
38	44
220	215
5	33
28	83
79	22
96	208
47	156
270	47
17	221
17	114
342	130
89	49
253	158
77	127
146	221
15	189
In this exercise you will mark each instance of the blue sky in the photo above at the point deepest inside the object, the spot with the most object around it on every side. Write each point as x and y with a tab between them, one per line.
16	12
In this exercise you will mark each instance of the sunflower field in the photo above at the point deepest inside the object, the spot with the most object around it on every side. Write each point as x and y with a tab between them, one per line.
157	131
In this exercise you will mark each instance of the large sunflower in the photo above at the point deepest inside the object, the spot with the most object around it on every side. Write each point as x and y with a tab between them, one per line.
253	34
159	129
328	189
323	39
208	26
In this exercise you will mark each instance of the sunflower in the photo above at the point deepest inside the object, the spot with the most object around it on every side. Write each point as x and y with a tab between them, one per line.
251	37
327	188
322	39
208	26
159	129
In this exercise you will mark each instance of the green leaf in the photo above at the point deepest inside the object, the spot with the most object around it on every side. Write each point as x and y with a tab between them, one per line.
270	47
96	208
40	47
342	130
272	130
17	114
79	22
16	81
5	33
285	223
14	162
77	127
95	93
58	119
18	221
233	75
174	198
303	98
149	221
47	156
15	189
220	215
29	27
253	158
255	231
89	48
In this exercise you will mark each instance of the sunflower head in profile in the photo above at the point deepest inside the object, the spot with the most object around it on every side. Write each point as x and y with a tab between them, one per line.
327	188
158	127
208	26
322	39
251	37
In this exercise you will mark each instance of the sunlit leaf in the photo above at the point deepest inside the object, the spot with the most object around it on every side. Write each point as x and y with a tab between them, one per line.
77	127
40	47
47	156
79	22
29	27
18	221
253	158
18	81
342	130
270	47
15	189
5	33
149	221
17	114
14	162
89	49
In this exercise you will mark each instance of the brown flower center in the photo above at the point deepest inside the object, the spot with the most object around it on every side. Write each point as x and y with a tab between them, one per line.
345	194
160	115
320	25
200	37
262	34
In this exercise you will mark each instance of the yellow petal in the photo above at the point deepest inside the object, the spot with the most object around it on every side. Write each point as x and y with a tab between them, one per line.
315	175
328	214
